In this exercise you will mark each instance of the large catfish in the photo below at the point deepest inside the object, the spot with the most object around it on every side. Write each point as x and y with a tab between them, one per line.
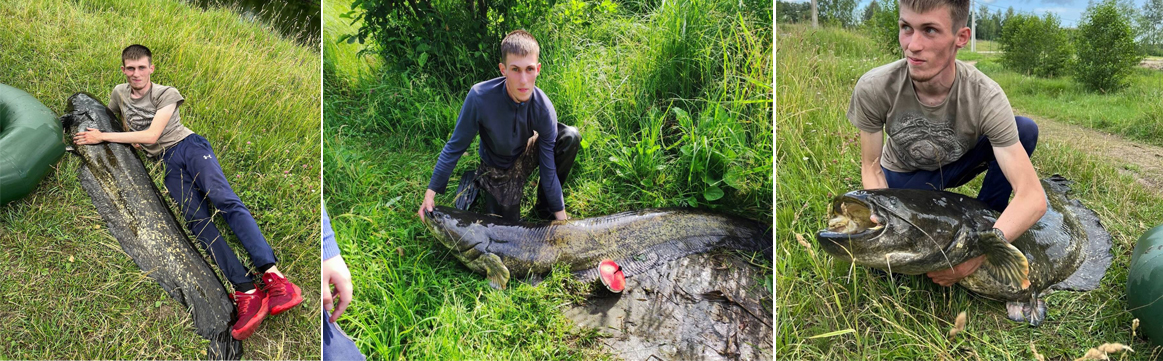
922	231
137	216
637	240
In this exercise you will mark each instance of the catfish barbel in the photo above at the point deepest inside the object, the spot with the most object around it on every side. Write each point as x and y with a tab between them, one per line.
921	231
637	240
137	216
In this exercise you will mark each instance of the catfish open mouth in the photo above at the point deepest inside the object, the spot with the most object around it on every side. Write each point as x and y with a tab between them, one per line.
851	217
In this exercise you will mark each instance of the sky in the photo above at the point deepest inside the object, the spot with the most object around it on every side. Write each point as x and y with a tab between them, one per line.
1069	11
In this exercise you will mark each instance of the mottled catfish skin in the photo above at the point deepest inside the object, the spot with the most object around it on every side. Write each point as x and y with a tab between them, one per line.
139	219
637	240
921	231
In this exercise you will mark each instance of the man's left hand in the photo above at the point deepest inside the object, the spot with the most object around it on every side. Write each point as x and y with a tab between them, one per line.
947	277
560	215
92	136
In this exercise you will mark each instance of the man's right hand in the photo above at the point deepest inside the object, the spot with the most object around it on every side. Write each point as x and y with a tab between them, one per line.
428	205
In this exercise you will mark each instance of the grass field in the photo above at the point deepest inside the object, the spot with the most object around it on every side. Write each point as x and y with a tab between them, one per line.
674	105
828	310
1135	112
69	290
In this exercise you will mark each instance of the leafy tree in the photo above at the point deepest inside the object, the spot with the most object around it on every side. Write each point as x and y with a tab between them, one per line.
1106	48
789	12
837	12
454	41
1035	45
869	11
1151	27
883	26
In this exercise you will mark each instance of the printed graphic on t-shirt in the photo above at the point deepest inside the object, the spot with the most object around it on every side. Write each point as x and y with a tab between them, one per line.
139	119
922	143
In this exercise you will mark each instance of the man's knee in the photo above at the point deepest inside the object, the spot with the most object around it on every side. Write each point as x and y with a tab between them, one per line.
1027	133
568	135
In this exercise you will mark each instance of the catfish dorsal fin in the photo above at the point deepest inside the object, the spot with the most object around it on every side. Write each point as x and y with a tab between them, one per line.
1005	262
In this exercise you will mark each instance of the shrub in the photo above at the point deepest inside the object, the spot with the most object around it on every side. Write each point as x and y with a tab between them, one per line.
1106	48
1035	45
456	42
883	26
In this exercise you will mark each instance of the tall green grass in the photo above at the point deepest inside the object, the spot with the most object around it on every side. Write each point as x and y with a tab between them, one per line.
253	94
674	105
829	310
1135	112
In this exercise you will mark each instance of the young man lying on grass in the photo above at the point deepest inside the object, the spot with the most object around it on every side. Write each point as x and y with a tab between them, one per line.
195	181
945	122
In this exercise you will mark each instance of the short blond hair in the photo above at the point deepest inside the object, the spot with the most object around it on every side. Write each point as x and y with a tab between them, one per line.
958	9
520	43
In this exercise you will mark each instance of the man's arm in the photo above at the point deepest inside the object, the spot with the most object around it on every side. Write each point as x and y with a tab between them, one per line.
466	130
1029	202
871	146
1027	208
148	136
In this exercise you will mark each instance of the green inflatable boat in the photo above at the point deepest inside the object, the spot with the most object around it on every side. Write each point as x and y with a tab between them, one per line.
30	142
1145	284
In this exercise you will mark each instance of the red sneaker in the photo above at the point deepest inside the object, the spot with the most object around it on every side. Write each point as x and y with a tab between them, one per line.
611	275
283	294
252	308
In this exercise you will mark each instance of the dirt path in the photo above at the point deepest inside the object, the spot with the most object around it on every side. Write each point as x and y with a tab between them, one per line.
1145	160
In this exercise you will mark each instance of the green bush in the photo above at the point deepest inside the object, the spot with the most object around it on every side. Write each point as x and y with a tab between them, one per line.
1106	48
883	26
455	42
1035	45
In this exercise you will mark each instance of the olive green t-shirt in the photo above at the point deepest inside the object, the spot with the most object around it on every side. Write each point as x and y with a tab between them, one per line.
138	114
922	137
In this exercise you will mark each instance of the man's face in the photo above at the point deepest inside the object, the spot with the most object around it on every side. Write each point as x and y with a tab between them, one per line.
930	41
520	73
137	72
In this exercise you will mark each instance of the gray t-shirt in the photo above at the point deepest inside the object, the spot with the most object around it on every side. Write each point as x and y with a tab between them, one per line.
139	113
928	137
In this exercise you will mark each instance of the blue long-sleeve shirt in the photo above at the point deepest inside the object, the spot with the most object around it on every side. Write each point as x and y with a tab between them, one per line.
504	126
329	247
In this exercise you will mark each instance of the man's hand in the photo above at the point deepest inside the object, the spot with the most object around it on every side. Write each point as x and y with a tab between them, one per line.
428	205
531	142
334	271
560	215
947	277
92	136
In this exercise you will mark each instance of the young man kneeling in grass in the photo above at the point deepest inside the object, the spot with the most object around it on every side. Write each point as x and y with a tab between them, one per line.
195	180
945	122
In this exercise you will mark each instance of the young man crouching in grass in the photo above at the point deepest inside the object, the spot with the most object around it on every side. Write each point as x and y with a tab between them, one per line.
195	180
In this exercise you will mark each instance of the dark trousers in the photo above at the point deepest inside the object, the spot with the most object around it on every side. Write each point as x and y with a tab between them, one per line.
336	345
195	180
995	189
564	154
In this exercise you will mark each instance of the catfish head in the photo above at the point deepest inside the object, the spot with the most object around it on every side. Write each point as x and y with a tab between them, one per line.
460	231
903	230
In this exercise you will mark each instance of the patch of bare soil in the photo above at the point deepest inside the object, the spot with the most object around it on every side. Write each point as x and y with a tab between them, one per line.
1145	161
1152	63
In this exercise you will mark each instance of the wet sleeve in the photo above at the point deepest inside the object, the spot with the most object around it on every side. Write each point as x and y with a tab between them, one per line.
329	247
997	118
170	95
868	107
546	141
462	136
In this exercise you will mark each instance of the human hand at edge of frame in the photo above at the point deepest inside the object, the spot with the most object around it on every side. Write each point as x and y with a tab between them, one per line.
428	204
532	141
560	215
335	272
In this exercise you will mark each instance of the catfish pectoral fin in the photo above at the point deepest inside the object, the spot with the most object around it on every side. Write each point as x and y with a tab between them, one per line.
1004	262
494	269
